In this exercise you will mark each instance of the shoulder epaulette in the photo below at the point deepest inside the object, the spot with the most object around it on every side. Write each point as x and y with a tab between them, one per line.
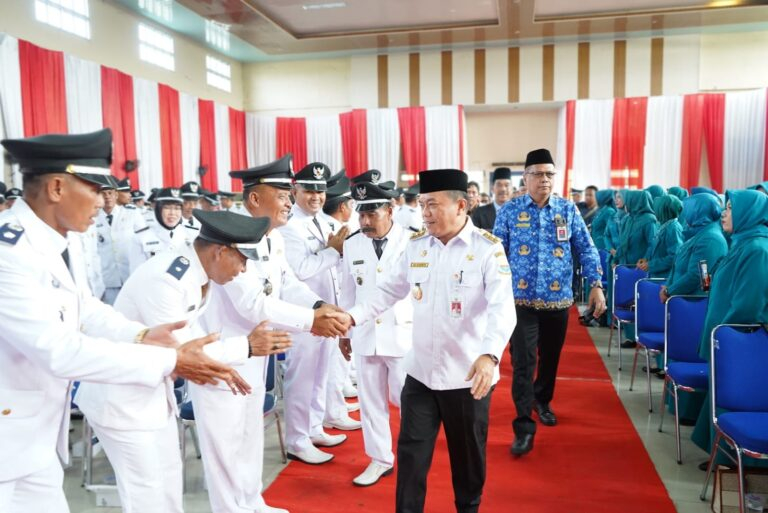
10	233
142	229
421	233
192	227
413	229
352	234
130	206
488	236
178	267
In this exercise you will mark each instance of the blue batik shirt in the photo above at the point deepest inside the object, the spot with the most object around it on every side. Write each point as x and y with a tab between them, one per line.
542	267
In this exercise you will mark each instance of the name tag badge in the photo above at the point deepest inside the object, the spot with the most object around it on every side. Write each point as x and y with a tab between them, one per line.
456	306
561	230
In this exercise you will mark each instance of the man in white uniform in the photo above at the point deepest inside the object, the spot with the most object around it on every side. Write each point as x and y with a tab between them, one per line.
313	252
190	195
137	425
378	345
409	215
51	323
459	281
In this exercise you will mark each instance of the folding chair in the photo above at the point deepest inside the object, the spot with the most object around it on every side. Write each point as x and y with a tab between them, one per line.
737	385
684	370
270	403
649	326
622	302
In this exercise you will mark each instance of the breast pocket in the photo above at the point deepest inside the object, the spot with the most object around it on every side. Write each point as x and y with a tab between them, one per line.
470	279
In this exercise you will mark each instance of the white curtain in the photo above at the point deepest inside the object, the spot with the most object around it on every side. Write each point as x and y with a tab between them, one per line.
744	148
190	136
223	151
324	141
442	127
592	144
383	142
148	149
82	83
260	139
11	116
663	141
560	151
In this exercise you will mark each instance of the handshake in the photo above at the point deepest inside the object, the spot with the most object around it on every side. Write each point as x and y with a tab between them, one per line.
331	321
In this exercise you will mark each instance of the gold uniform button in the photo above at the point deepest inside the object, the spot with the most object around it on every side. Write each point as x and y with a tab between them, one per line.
378	269
6	411
378	321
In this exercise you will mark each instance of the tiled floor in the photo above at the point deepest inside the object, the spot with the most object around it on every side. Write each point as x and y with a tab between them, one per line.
682	481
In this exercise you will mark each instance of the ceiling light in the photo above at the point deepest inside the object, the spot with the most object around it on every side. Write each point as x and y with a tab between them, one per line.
327	5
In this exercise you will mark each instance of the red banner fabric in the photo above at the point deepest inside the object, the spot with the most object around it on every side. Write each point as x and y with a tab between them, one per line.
413	134
570	136
170	135
628	142
238	153
209	180
43	93
118	114
714	137
354	141
690	158
291	137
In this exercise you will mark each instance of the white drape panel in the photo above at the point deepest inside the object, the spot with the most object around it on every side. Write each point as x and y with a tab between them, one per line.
190	136
148	150
560	151
11	115
324	141
442	127
463	137
383	142
260	139
744	148
663	141
82	83
223	151
592	144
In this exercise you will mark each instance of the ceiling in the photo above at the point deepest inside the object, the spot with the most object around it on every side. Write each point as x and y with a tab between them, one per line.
268	30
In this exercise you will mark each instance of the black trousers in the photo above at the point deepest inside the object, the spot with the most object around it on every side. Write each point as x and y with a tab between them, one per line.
535	346
465	421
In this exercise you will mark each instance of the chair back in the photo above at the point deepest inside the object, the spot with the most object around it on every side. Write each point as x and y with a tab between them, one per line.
684	321
269	382
649	310
624	279
738	368
604	262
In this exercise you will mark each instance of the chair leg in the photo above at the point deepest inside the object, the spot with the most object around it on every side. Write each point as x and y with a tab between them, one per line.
618	336
87	453
610	337
634	367
648	378
718	436
193	429
742	489
280	437
663	403
675	400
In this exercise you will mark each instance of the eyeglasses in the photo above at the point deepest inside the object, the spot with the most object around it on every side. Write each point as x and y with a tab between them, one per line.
541	174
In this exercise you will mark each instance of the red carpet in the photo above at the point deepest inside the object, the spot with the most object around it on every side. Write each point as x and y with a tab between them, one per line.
593	461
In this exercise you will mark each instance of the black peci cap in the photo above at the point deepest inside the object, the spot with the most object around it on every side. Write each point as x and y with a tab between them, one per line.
87	156
234	230
502	173
275	174
370	196
313	177
435	180
540	156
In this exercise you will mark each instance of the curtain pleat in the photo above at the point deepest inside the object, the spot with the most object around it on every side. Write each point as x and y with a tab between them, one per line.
354	141
291	137
43	95
170	135
413	134
117	108
238	153
210	179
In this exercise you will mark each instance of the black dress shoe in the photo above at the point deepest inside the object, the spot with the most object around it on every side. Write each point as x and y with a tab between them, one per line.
522	445
654	370
546	416
629	344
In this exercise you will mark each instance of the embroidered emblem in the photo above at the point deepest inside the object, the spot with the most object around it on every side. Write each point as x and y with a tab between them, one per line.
423	252
362	192
193	187
558	252
419	264
522	284
175	193
524	250
489	236
524	216
470	257
555	286
318	172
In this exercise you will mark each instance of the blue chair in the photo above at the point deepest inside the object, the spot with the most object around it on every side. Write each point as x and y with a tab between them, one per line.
738	386
649	326
604	255
684	370
270	403
623	299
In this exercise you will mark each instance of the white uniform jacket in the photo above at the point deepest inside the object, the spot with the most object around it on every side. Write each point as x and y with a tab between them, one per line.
115	243
390	333
48	338
167	288
306	252
462	304
154	239
88	245
409	218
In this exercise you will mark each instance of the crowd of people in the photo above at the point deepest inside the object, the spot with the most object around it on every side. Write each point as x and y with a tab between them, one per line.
400	297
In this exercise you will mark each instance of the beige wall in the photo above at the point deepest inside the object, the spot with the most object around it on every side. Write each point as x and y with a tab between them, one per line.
114	42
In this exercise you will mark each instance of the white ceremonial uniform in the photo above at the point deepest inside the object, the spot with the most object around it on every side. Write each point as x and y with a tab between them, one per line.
88	244
156	239
306	374
462	304
379	345
409	218
115	240
233	451
48	338
137	425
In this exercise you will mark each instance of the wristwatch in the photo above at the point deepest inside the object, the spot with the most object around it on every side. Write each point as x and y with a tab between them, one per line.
597	284
493	358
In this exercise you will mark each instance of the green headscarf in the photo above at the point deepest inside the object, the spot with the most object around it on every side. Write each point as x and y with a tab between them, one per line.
762	185
639	215
749	212
656	191
679	192
700	211
604	217
667	208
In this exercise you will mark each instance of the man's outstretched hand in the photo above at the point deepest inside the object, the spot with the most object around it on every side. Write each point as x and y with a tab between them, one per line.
193	364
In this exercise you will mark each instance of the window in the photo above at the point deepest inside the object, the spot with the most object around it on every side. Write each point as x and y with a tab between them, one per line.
219	73
217	34
68	15
156	47
161	8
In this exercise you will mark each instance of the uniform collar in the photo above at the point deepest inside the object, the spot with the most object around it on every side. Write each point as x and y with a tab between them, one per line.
298	212
465	235
197	265
40	234
528	201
